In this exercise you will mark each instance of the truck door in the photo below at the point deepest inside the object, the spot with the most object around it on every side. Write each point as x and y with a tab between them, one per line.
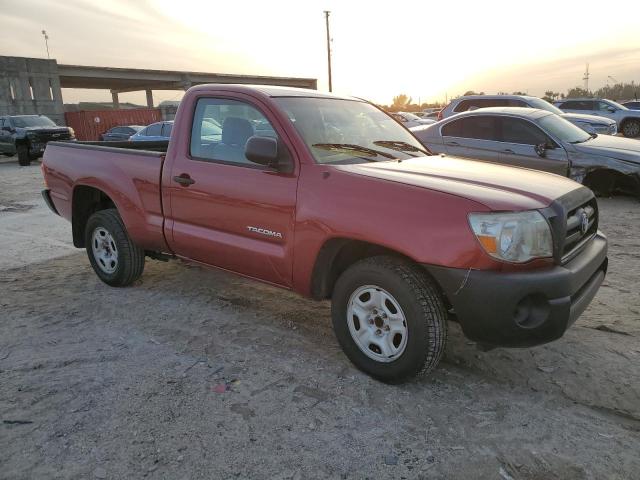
224	210
519	140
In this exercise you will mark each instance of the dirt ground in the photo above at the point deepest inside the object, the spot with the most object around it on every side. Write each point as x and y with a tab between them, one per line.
195	373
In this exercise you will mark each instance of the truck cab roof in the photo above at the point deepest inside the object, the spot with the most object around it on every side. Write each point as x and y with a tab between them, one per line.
272	91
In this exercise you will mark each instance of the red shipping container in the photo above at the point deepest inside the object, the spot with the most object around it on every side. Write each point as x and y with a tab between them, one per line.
89	124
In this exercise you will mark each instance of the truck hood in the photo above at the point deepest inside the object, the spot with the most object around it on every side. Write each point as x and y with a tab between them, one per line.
495	186
582	117
625	149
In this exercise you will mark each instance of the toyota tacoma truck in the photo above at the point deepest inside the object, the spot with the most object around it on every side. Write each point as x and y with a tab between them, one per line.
332	198
27	136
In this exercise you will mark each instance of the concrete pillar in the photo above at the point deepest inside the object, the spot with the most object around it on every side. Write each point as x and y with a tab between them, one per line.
149	98
115	100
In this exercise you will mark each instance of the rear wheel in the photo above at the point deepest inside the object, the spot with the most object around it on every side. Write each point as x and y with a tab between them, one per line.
389	318
24	159
114	257
631	128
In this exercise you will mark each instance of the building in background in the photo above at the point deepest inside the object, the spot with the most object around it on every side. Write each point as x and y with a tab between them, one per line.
30	86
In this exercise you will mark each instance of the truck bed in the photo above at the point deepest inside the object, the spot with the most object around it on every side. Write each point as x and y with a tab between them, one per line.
128	173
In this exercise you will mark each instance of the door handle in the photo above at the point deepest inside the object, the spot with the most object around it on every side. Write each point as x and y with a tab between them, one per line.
453	144
508	150
184	180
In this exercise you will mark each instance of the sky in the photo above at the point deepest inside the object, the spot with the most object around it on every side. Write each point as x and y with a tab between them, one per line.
427	50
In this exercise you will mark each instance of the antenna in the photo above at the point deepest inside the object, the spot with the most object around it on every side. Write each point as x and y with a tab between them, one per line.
586	79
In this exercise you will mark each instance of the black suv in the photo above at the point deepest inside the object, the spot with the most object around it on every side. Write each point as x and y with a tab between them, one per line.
27	135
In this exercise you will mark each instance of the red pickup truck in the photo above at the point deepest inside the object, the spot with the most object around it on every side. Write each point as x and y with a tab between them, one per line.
332	198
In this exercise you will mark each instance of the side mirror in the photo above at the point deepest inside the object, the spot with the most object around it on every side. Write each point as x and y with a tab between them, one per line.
612	110
262	150
541	149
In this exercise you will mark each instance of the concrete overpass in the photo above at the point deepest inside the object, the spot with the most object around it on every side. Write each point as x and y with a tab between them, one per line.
120	80
34	85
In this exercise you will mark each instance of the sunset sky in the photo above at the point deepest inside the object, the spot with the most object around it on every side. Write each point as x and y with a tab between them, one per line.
380	49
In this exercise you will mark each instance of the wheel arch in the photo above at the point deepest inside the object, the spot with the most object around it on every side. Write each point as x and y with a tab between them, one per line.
86	200
338	254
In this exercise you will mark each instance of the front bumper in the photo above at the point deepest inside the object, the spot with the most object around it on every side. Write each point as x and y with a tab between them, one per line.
522	309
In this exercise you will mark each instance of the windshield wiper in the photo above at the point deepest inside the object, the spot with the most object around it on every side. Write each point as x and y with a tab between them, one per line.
400	146
351	148
591	137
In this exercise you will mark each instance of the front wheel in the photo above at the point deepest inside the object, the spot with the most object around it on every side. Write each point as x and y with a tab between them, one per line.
631	128
24	160
117	261
389	318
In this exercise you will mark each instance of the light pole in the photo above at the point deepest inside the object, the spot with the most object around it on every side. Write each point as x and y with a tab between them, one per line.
46	42
326	17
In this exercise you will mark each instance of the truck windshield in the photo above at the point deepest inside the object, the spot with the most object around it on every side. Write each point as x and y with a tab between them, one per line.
349	131
32	121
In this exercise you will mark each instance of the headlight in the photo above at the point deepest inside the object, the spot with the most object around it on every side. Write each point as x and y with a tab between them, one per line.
72	132
513	237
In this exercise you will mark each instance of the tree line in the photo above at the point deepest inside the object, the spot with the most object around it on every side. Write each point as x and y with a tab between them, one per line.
619	91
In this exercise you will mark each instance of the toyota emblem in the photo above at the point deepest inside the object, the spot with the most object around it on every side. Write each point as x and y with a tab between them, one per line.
584	222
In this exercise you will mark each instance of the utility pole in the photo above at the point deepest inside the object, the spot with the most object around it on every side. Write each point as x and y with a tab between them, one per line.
46	42
586	79
326	18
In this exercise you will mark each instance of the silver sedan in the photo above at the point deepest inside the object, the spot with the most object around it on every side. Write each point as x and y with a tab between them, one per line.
540	140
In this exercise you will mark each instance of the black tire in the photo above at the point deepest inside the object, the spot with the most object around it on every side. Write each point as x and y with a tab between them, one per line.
24	159
601	182
421	304
130	258
631	128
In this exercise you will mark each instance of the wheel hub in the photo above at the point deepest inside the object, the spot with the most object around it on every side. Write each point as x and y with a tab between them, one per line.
104	249
377	324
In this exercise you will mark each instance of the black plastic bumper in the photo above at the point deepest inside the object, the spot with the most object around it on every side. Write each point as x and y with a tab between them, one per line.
521	309
46	194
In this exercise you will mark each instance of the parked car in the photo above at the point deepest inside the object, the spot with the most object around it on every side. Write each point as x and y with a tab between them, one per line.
628	120
394	237
538	139
589	123
632	104
27	136
120	133
411	120
155	132
432	115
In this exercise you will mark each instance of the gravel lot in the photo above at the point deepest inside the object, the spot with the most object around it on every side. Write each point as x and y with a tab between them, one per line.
195	373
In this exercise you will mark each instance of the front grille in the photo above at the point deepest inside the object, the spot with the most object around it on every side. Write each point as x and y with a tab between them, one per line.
581	226
45	136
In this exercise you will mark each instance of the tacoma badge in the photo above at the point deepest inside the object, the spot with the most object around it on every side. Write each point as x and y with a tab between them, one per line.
264	231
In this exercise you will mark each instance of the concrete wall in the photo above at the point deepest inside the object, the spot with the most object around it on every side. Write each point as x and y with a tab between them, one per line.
30	86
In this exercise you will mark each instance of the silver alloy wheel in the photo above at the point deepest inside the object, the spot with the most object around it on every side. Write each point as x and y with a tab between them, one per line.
377	323
104	250
631	129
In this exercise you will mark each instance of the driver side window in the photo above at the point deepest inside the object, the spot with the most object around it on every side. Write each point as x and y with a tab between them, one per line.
515	130
221	128
605	107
